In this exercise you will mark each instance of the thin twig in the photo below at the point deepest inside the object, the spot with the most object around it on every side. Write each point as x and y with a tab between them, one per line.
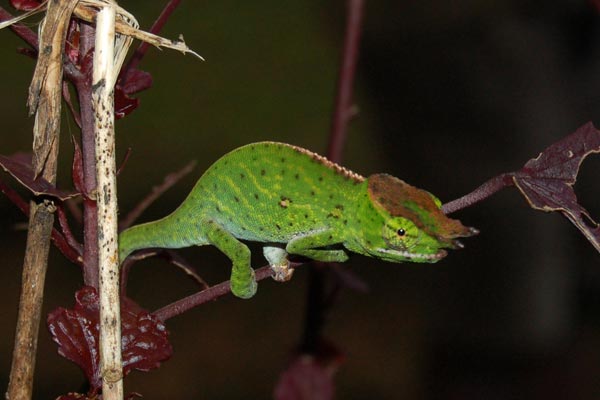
344	110
20	30
169	180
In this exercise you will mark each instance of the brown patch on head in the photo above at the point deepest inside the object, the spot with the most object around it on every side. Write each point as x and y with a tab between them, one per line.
400	199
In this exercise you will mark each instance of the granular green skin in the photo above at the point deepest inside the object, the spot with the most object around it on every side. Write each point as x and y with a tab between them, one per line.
277	193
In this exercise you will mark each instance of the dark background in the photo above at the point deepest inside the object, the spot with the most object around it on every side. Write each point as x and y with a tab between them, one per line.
450	94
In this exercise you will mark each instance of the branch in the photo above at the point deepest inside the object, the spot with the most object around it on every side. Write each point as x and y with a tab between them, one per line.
144	46
318	298
210	294
156	192
344	110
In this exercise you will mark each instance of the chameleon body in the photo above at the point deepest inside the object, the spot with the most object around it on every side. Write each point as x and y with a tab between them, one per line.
299	203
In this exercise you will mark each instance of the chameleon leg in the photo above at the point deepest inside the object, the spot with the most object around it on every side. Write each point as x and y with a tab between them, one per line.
243	282
306	245
277	259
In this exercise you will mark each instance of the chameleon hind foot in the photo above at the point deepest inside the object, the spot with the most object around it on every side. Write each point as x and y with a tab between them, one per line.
277	259
243	283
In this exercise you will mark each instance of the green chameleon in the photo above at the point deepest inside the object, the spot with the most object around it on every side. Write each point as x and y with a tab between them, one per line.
298	202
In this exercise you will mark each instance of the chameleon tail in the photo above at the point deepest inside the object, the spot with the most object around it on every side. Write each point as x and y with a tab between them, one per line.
163	233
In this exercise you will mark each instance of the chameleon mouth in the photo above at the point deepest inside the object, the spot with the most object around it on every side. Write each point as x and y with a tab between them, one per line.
394	254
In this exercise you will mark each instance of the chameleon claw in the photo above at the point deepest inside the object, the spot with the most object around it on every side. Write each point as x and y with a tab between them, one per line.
277	258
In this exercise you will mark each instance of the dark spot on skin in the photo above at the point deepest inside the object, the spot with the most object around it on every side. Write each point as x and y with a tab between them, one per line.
306	216
330	237
230	219
369	242
345	222
339	207
290	223
277	226
330	197
260	228
263	172
218	209
256	196
242	176
312	192
282	159
236	199
214	185
297	176
320	179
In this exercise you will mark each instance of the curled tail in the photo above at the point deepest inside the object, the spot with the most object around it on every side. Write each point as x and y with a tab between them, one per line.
168	233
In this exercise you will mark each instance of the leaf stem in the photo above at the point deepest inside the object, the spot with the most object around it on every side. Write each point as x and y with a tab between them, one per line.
484	191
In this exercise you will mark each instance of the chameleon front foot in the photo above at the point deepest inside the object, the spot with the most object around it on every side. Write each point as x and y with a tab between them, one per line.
277	259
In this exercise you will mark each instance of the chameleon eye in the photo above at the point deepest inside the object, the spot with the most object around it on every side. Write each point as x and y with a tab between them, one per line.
401	232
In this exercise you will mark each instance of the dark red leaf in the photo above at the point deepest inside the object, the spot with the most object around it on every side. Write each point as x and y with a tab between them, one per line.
124	105
135	81
19	166
144	338
24	5
310	377
547	181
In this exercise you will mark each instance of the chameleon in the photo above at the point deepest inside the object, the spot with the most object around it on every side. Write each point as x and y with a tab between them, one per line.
299	203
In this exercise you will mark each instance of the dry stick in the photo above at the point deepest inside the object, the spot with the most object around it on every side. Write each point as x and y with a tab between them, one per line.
103	104
44	101
317	299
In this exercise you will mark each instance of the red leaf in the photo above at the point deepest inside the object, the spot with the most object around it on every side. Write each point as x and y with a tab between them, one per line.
136	81
547	181
24	5
19	166
144	338
310	377
124	105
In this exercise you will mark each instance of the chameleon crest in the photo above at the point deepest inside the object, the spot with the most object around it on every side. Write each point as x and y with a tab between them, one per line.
299	203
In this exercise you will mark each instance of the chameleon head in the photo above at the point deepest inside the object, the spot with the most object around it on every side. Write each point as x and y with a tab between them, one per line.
406	223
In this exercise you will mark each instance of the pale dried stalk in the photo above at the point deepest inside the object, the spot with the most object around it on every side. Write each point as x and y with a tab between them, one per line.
87	10
106	197
44	101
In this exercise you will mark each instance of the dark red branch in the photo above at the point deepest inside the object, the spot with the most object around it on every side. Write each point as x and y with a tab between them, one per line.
210	294
344	110
20	30
140	52
321	296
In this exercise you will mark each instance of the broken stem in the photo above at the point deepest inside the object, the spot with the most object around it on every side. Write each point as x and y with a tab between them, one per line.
108	253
